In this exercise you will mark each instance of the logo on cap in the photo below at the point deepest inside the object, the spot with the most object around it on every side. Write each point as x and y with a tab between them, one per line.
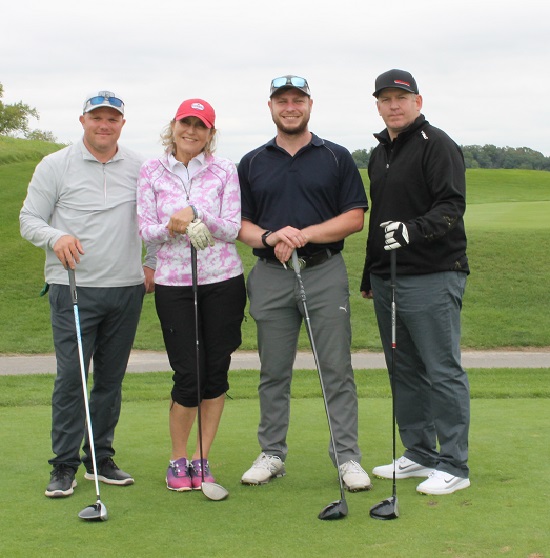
400	82
197	106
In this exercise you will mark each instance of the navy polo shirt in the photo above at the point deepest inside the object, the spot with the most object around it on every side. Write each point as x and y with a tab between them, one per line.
318	183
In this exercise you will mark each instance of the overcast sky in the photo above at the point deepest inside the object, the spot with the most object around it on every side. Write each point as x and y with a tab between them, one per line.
483	67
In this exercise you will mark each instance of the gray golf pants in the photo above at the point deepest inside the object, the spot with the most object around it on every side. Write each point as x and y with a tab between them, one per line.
432	393
277	310
108	322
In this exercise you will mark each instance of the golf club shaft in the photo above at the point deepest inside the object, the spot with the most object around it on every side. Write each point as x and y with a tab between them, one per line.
72	287
194	280
302	294
393	266
389	508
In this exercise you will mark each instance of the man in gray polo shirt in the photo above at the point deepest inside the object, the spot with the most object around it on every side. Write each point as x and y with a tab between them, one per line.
81	209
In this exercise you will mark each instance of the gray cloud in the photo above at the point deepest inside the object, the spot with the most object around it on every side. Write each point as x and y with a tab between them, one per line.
481	66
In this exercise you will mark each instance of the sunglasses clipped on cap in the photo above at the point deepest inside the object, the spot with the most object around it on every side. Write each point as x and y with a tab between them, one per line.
113	101
103	98
290	81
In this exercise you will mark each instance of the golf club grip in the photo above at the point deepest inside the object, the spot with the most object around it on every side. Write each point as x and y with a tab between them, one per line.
295	262
393	266
296	267
194	267
72	284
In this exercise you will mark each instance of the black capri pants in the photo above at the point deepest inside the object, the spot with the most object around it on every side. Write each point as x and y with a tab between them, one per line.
220	312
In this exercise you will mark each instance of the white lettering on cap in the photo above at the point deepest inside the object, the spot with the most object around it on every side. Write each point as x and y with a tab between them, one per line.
197	106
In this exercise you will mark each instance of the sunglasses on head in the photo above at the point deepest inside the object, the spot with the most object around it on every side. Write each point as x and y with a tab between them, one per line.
113	101
293	81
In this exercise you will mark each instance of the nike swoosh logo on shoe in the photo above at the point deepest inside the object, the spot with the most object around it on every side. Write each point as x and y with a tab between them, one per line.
401	468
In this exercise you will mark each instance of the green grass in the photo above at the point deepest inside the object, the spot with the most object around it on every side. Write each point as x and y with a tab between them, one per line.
506	298
486	383
14	150
502	514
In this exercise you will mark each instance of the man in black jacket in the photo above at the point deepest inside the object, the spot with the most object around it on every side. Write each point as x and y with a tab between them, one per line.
418	194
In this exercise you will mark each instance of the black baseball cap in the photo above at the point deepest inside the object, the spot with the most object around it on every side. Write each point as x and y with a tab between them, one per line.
395	78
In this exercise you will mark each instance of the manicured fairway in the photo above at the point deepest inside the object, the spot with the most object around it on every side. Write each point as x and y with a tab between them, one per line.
504	513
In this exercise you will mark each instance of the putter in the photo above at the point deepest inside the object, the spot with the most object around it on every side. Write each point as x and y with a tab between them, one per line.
389	508
339	508
97	511
211	490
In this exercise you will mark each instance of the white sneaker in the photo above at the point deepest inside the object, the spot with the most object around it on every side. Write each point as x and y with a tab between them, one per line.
439	483
404	469
354	477
264	469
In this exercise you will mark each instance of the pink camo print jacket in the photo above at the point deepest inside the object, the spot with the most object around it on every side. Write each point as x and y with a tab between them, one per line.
215	193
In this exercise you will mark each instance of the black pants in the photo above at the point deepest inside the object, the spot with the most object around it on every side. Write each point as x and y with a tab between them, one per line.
221	312
108	322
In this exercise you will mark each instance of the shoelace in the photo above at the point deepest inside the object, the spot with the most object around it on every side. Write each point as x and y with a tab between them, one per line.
198	467
264	461
108	462
436	474
62	471
351	467
176	470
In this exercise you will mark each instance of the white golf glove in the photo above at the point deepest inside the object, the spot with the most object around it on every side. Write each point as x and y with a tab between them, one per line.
199	235
397	234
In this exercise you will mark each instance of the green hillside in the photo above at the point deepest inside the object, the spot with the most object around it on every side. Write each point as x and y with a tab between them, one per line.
507	297
15	150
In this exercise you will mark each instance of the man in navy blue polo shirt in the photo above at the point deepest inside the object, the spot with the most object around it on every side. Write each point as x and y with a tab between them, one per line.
305	193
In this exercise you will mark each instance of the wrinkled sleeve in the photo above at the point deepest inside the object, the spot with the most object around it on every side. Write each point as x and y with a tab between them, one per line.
151	230
227	224
38	207
445	175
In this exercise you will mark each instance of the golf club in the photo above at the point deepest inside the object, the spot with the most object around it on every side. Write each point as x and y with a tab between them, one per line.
339	508
97	511
389	508
211	490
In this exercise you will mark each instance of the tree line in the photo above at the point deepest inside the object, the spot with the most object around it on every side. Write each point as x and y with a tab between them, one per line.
483	157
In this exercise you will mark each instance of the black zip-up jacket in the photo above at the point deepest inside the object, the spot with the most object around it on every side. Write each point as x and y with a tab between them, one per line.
420	180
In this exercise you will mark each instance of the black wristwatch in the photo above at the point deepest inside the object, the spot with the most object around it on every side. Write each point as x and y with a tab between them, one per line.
264	239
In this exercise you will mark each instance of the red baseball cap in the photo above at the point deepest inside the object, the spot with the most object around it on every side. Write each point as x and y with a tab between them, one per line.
199	108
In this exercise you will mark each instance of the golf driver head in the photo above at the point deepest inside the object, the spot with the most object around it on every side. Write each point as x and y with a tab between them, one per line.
95	512
386	509
335	510
214	491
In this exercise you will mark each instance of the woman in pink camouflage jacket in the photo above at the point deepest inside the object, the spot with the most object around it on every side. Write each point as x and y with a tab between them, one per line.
191	197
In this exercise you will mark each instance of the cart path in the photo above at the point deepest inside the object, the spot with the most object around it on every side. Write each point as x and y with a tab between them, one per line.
153	361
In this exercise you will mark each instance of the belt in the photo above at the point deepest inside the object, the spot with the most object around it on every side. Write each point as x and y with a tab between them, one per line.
310	261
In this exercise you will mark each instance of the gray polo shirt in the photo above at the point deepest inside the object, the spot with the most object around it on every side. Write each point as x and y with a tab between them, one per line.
71	192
